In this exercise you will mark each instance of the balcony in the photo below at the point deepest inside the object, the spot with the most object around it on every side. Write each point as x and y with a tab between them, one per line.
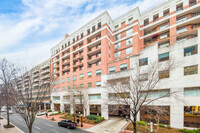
45	77
178	9
45	72
162	27
192	3
36	80
181	19
155	38
94	59
65	62
181	30
78	56
35	71
66	68
45	66
94	50
36	75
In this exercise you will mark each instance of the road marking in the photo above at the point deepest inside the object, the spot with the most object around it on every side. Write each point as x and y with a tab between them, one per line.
37	127
48	125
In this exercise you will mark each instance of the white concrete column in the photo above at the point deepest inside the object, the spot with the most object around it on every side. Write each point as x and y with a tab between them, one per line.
177	110
52	106
61	103
45	107
104	105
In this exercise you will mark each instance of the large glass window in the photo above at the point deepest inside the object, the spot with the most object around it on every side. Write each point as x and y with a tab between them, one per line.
89	74
63	80
89	85
68	79
68	88
123	67
81	76
129	50
98	72
117	37
163	57
143	77
129	41
129	32
63	89
56	98
190	50
157	93
74	87
74	78
94	96
190	70
117	45
192	116
98	84
143	61
111	69
192	91
117	54
163	74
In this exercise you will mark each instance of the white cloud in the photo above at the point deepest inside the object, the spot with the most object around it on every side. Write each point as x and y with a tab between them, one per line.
43	24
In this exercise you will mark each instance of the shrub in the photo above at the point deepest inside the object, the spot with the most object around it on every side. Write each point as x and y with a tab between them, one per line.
52	119
161	125
142	123
59	112
92	117
49	110
168	126
8	126
62	117
188	131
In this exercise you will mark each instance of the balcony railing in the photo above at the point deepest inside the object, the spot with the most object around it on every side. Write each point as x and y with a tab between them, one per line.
181	30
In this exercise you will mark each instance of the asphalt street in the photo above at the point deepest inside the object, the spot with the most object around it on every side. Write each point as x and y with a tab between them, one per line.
40	125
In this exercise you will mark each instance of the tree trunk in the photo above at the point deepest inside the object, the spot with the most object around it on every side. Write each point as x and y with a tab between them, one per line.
30	128
134	123
8	115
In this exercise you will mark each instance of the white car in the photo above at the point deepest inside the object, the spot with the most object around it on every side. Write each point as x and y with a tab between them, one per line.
10	112
41	113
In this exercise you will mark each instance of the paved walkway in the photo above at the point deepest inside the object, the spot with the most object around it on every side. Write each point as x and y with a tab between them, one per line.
8	130
113	125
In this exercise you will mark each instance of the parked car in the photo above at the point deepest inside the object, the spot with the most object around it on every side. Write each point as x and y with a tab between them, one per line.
10	112
67	123
41	113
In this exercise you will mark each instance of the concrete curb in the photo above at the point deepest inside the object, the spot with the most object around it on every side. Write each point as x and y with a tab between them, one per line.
15	126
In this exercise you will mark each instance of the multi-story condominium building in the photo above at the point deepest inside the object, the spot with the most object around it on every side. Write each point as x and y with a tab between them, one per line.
34	79
104	48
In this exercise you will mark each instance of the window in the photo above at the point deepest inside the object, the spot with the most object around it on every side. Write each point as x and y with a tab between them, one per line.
98	84
117	45
88	31
129	32
163	74
179	7
190	50
55	83
81	86
68	88
93	28
81	76
56	98
129	50
74	86
123	67
143	77
143	61
99	25
111	69
68	79
89	74
74	78
118	95
192	91
89	85
117	54
191	116
94	96
157	94
81	35
146	21
98	72
129	41
63	80
55	90
189	70
163	57
117	37
63	89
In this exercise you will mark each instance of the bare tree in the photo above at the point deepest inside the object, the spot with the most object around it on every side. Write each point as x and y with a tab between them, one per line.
7	74
28	97
137	88
1	102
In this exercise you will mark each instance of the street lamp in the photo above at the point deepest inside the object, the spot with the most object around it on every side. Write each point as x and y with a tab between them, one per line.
81	108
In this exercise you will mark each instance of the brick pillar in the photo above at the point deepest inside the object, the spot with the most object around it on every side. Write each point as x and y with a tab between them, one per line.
172	32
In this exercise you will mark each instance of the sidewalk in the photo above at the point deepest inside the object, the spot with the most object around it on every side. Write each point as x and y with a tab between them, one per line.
113	125
8	130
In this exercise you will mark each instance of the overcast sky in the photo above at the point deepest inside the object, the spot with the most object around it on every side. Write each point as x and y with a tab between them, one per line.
30	28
